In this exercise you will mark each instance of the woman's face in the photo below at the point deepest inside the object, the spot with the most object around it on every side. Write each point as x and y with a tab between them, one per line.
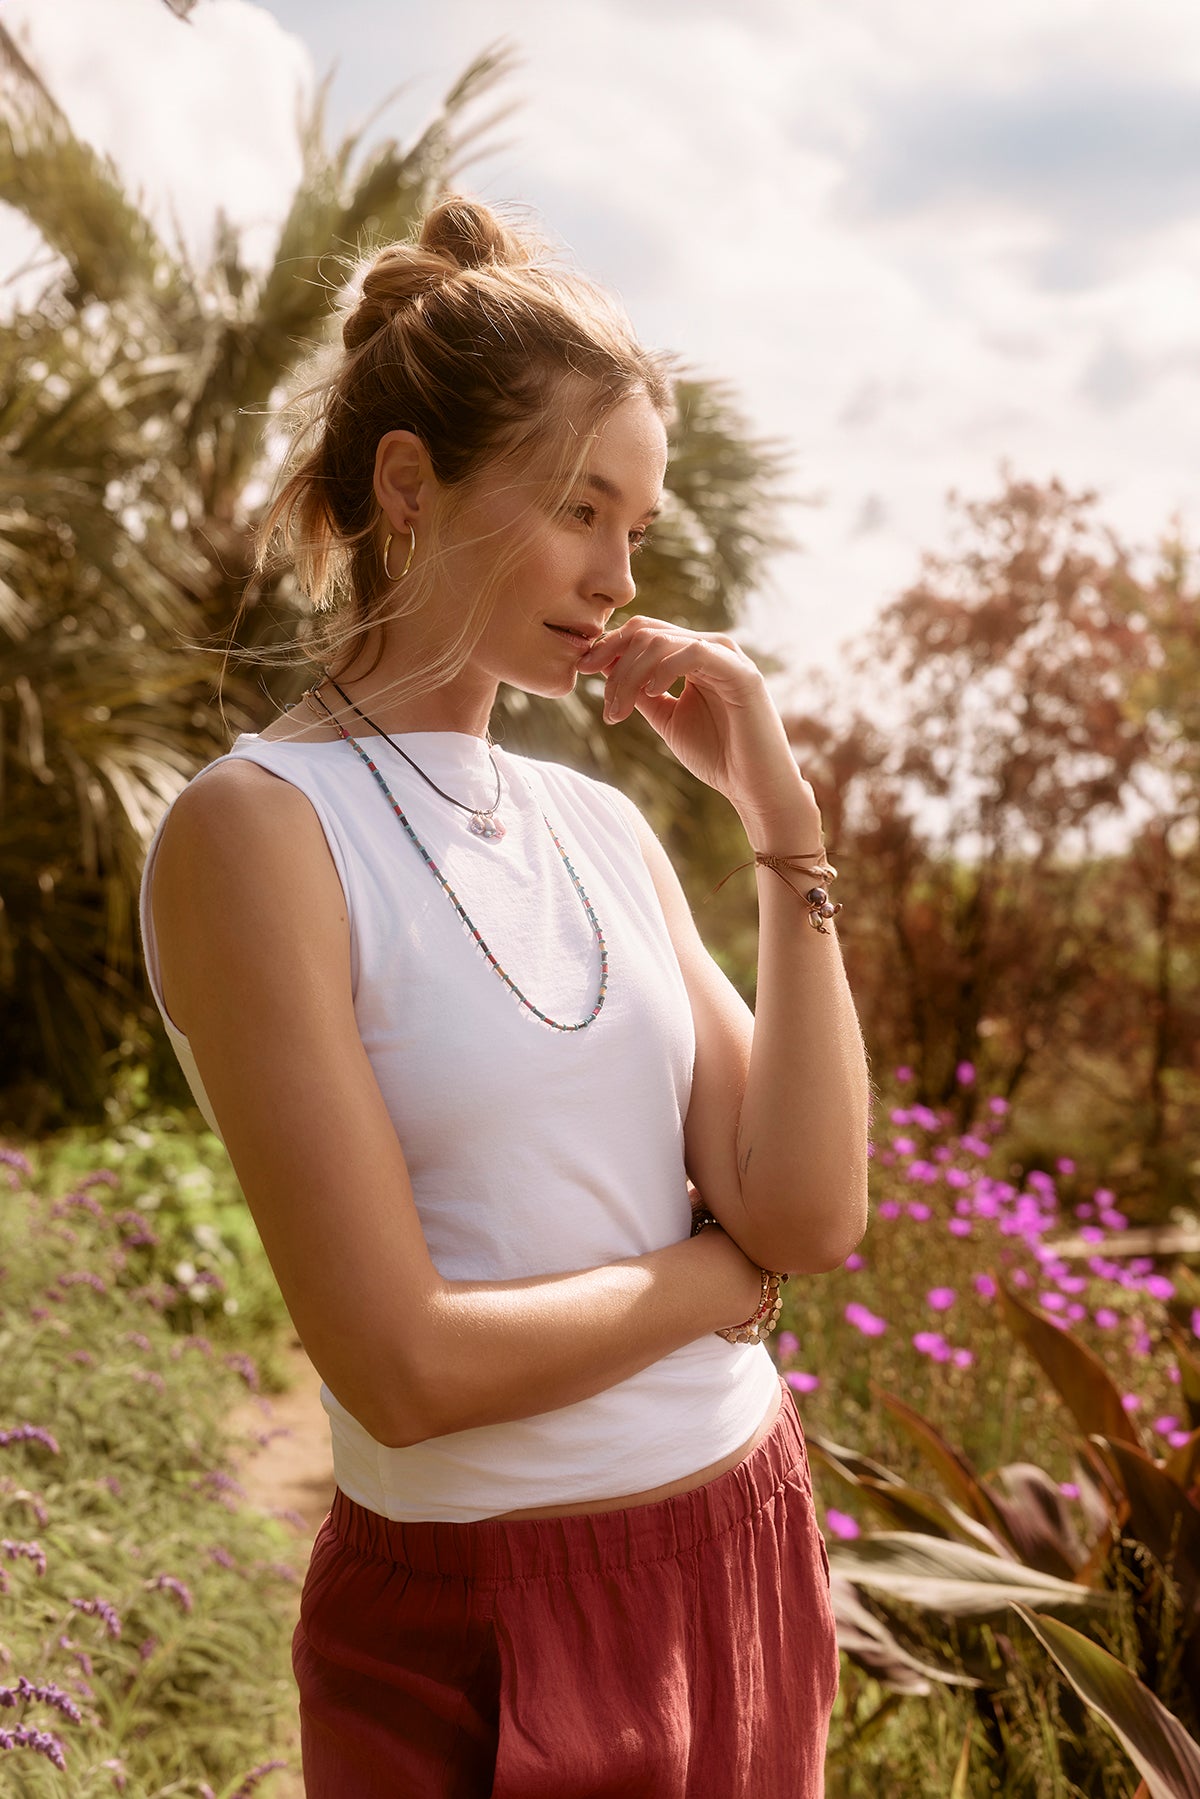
574	570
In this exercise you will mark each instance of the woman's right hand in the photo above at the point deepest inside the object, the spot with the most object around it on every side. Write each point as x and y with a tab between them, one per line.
739	1279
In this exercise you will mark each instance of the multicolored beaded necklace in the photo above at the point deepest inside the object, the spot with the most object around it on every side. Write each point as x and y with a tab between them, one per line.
432	866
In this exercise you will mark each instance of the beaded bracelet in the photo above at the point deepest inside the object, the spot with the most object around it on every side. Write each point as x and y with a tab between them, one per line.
820	906
763	1320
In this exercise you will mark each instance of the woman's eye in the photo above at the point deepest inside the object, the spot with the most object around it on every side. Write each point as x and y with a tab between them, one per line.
637	541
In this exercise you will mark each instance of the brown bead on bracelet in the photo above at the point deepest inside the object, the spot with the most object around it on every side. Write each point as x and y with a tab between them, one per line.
820	906
763	1320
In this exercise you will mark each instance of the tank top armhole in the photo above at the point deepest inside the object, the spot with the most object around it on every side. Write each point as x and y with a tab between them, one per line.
336	850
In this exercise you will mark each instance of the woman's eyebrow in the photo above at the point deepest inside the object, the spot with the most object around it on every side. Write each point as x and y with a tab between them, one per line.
612	492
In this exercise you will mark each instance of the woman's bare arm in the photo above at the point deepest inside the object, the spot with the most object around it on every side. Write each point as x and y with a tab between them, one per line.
254	953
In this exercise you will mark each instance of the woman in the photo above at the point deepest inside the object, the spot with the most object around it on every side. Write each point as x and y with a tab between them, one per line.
449	1011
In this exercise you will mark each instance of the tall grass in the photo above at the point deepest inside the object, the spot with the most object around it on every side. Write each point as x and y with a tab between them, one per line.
141	1644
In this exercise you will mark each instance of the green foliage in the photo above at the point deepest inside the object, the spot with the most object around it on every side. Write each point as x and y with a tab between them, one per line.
171	1672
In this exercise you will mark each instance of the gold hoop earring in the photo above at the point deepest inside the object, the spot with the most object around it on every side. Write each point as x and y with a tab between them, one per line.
387	544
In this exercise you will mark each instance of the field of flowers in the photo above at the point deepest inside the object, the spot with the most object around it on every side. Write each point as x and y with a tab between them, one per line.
140	1649
927	1355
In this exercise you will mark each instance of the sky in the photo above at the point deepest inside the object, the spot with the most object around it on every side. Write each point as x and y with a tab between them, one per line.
920	243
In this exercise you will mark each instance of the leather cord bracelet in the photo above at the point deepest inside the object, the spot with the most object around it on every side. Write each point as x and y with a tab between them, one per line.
820	906
765	1317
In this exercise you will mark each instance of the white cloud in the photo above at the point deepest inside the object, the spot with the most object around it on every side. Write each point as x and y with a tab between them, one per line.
1017	278
195	115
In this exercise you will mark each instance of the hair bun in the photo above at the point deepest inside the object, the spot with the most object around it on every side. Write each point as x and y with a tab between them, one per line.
470	234
398	274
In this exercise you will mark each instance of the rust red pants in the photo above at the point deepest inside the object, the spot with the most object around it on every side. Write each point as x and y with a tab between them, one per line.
683	1649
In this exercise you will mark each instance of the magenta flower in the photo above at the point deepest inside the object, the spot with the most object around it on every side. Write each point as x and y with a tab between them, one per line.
928	1342
963	1358
803	1383
1196	1321
964	1074
840	1524
1130	1402
1053	1302
1159	1286
984	1285
905	1146
904	1075
1065	1165
1068	1489
959	1227
1166	1424
940	1299
1178	1438
1106	1318
788	1343
854	1261
975	1146
864	1320
998	1106
1076	1312
888	1208
916	1208
899	1115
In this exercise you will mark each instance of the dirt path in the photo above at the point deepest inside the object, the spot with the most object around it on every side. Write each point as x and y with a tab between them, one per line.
291	1472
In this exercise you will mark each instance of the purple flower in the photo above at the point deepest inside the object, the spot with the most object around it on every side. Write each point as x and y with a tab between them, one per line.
40	1741
957	1177
840	1524
1106	1318
29	1433
1159	1286
1130	1402
916	1208
221	1557
964	1074
119	1772
925	1117
81	1655
100	1608
251	1780
959	1227
788	1343
32	1552
1166	1424
1072	1283
854	1262
985	1286
975	1146
1076	1312
1196	1321
888	1208
921	1170
898	1115
998	1106
1053	1302
83	1277
864	1320
241	1364
14	1159
928	1342
1068	1489
803	1383
49	1694
963	1358
167	1583
1178	1438
1065	1165
940	1299
904	1074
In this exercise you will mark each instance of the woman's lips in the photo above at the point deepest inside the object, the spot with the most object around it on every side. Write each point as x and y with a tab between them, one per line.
576	638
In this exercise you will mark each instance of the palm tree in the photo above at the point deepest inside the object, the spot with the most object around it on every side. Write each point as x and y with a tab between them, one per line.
131	416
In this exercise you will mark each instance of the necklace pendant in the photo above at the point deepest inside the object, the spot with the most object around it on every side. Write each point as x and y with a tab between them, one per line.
485	824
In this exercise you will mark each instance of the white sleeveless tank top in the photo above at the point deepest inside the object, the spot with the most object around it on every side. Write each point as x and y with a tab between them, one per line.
532	1151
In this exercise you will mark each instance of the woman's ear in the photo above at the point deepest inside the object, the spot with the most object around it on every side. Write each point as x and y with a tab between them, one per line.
402	476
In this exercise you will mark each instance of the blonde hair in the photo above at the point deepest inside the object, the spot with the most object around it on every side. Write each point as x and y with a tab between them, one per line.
500	359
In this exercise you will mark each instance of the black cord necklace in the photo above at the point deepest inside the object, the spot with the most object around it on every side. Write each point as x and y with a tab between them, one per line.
484	822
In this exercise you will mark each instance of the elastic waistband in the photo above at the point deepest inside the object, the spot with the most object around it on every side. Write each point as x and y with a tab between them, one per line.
499	1550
